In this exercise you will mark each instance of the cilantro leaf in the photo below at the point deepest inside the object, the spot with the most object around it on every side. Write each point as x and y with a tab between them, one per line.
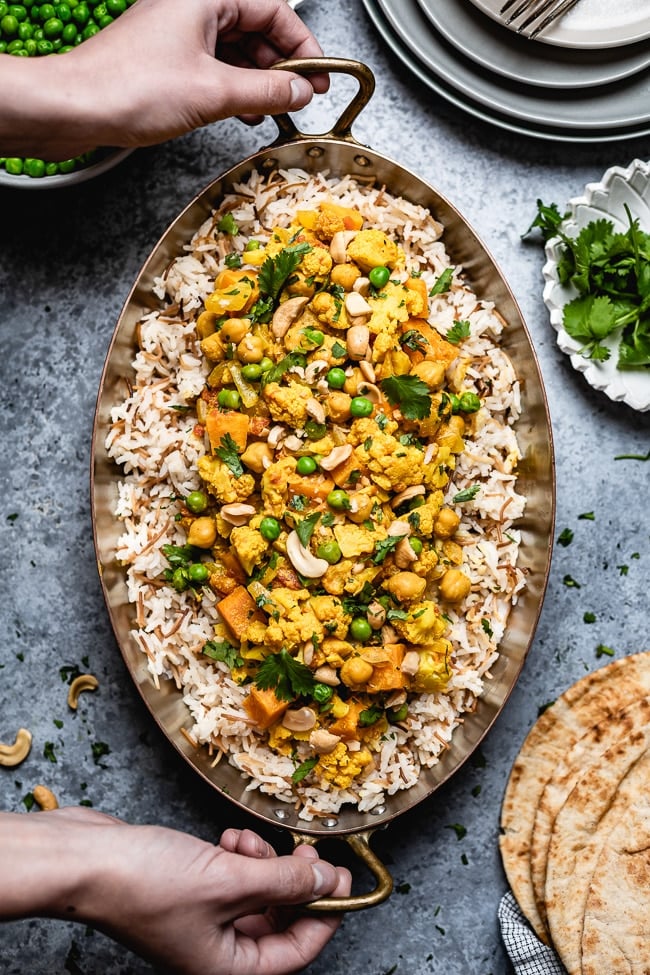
305	528
459	330
276	270
228	225
384	547
468	494
285	675
414	340
223	651
228	453
277	371
304	769
370	716
548	220
180	556
410	394
443	283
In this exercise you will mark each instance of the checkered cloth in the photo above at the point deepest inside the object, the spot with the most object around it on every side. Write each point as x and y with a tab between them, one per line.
527	953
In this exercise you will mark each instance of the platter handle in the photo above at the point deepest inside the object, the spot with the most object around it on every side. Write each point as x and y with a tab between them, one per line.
359	843
343	125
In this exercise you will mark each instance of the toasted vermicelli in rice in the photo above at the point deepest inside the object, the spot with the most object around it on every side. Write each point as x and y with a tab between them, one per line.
318	489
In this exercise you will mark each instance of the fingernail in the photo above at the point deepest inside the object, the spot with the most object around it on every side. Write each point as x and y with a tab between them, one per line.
322	878
301	92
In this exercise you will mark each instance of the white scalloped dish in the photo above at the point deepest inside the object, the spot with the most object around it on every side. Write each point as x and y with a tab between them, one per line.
607	199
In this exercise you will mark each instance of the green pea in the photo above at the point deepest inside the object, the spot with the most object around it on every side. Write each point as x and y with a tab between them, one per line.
99	10
416	545
229	399
38	34
115	7
330	551
4	10
336	378
361	406
18	10
104	21
44	47
252	371
46	11
30	46
270	528
360	629
306	465
266	364
198	573
3	47
454	400
64	49
69	33
20	52
14	46
89	31
197	502
67	165
322	693
81	14
313	337
51	168
469	402
25	31
314	430
34	168
63	12
252	245
9	25
399	714
14	166
379	276
52	28
338	499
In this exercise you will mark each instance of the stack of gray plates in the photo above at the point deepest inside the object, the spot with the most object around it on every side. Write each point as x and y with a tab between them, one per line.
586	79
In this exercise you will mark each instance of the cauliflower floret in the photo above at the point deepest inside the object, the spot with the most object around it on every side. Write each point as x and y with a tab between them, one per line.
342	767
329	611
372	248
316	262
287	404
434	667
220	482
249	547
329	311
425	516
295	623
275	487
390	464
354	540
424	623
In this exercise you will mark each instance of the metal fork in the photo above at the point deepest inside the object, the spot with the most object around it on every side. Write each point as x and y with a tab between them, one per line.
548	10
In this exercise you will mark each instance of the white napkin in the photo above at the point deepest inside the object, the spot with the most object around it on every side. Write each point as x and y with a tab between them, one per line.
527	953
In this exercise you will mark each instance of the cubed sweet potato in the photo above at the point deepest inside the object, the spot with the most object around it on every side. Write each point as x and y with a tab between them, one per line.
419	285
218	424
351	217
316	486
388	676
264	707
347	727
238	610
436	347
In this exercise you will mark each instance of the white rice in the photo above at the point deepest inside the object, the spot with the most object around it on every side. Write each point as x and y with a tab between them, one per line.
150	440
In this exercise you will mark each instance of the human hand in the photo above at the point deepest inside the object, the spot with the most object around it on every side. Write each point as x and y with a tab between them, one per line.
186	905
164	68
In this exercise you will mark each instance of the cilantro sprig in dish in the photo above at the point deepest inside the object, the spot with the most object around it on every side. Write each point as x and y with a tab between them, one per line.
611	272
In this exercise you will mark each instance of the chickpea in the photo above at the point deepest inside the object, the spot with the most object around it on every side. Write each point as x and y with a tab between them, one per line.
202	533
446	523
345	275
351	385
430	372
212	347
450	434
406	586
338	406
255	455
364	506
250	349
206	324
454	585
234	329
356	670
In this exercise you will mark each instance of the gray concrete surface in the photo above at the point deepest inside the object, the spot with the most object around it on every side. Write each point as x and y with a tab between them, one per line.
67	260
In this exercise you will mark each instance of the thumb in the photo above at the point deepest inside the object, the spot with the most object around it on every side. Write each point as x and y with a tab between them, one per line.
282	881
255	92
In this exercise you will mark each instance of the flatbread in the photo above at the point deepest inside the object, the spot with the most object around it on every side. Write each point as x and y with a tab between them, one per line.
585	752
595	697
616	934
581	829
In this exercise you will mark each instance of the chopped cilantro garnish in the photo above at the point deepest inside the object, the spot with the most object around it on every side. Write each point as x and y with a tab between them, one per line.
228	225
443	283
228	453
384	547
410	394
603	651
233	260
459	830
414	340
305	528
276	270
99	749
589	618
275	374
304	769
458	331
570	582
285	675
468	494
485	625
565	537
223	651
48	752
370	716
339	351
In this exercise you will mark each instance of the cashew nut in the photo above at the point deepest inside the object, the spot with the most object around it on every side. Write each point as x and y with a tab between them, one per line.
410	663
11	755
399	528
286	314
406	495
292	443
339	245
299	719
327	675
303	561
356	305
323	742
44	797
404	554
370	391
336	457
376	615
357	340
313	369
84	682
276	434
368	370
315	410
237	513
362	285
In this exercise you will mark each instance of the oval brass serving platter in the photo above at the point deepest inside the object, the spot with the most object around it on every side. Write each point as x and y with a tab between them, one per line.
339	153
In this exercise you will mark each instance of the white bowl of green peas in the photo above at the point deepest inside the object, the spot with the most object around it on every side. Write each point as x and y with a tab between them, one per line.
35	29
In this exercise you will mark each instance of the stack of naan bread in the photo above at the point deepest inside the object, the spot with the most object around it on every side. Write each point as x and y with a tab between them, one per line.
575	822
